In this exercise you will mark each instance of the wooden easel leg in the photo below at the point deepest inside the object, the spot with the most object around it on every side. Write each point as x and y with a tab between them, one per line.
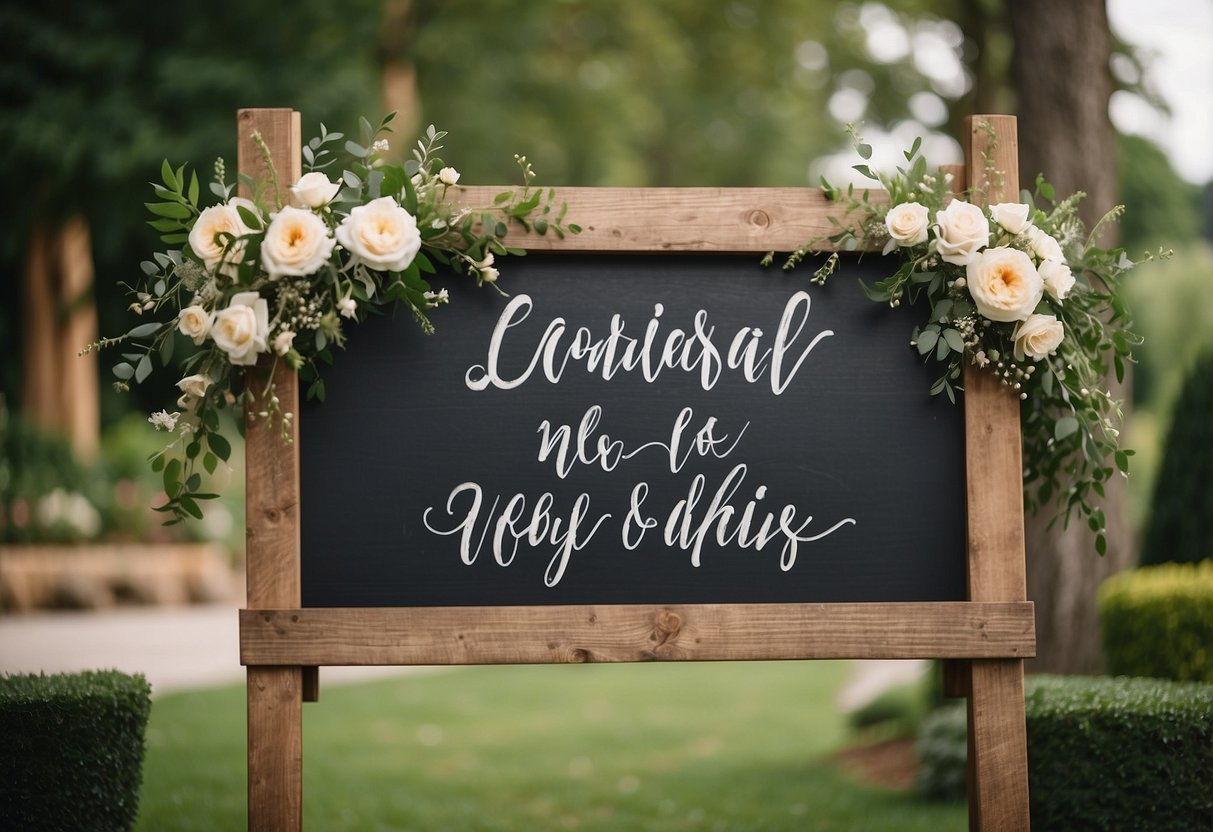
998	747
275	749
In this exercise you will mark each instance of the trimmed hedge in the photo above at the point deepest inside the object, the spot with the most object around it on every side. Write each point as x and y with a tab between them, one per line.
1103	754
72	750
1158	621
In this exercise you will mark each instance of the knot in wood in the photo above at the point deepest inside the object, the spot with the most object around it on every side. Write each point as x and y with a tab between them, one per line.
580	655
271	515
759	218
668	622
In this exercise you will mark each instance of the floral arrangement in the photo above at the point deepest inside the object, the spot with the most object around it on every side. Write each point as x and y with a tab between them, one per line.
284	273
1020	291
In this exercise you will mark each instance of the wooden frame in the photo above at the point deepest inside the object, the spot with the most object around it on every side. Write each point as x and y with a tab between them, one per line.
986	638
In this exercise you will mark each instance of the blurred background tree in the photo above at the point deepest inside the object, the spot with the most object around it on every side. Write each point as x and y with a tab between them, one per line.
595	93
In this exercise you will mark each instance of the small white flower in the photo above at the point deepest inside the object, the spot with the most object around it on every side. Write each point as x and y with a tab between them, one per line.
380	146
1038	336
1044	247
163	420
297	243
314	190
194	322
433	299
962	231
448	176
241	329
1012	216
1058	278
194	385
347	306
380	234
283	342
907	223
486	262
489	275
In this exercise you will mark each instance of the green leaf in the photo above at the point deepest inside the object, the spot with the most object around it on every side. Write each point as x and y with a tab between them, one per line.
954	340
1122	461
1065	426
166	176
172	474
193	195
124	371
190	507
504	196
926	341
172	210
210	462
143	369
574	227
250	219
864	151
219	446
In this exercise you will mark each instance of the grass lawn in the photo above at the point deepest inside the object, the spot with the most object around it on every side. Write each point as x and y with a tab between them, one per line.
592	747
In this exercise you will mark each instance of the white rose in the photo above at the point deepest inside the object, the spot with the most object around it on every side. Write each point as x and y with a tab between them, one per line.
241	329
314	190
1043	246
1012	216
448	176
194	322
1004	284
1038	336
194	385
907	223
223	219
963	230
381	234
347	307
283	342
297	243
1057	277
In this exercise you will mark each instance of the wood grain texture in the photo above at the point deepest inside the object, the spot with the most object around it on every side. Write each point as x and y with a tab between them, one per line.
275	749
682	219
632	633
275	694
998	757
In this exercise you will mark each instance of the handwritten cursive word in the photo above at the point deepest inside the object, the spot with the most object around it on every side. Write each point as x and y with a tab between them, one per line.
692	352
538	528
689	532
607	452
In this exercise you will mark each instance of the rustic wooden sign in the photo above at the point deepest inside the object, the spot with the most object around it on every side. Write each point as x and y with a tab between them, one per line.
388	560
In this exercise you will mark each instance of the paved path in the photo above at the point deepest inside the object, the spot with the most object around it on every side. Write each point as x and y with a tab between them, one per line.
176	648
179	648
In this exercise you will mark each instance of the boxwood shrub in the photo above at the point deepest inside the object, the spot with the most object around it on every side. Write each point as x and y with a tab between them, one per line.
1158	621
72	750
1103	754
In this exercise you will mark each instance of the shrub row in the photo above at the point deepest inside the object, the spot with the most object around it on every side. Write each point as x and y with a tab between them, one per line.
1158	621
1103	754
72	751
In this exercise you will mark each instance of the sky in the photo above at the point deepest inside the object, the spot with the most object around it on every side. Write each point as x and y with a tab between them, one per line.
1176	37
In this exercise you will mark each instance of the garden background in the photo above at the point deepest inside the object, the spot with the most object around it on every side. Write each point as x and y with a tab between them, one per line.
1112	99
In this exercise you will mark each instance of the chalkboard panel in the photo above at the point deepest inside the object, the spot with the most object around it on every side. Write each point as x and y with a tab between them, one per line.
773	443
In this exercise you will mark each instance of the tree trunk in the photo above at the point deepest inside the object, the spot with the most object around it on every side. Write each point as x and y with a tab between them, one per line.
60	389
1063	83
400	94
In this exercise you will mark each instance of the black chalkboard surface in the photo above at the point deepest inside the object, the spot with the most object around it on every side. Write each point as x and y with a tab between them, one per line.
716	432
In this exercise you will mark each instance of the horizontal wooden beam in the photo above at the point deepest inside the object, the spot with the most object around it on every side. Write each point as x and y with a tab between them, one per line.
635	633
682	219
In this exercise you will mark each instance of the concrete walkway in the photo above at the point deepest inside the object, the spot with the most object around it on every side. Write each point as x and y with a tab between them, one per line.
176	648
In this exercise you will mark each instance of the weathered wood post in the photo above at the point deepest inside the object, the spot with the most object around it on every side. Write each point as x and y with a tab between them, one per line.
275	694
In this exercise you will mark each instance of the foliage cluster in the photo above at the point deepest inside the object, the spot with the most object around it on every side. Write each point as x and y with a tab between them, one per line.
1158	621
73	750
1103	754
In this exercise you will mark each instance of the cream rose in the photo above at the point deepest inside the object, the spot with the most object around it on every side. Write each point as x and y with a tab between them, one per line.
223	219
1038	336
380	234
241	329
194	385
963	231
907	223
1012	216
194	322
448	176
1004	284
1043	246
314	190
1057	277
297	243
